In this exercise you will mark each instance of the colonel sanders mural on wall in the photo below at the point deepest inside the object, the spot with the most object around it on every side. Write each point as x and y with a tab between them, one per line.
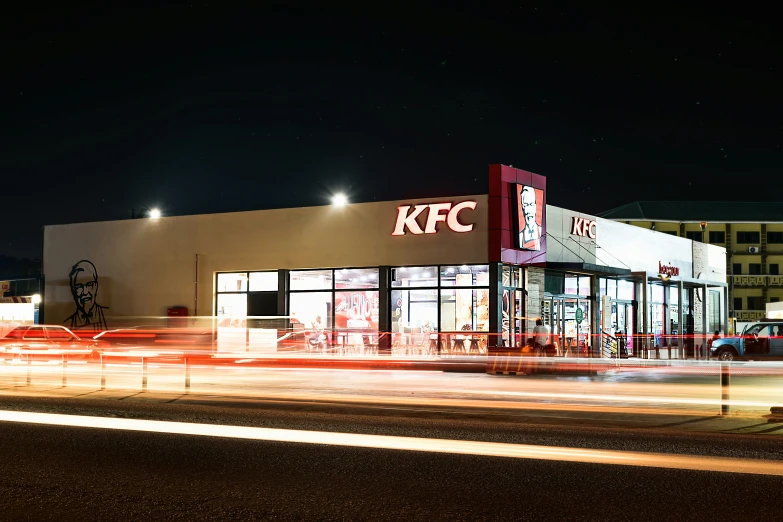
84	289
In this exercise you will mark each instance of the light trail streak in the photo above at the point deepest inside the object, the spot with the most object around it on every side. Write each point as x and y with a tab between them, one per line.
388	442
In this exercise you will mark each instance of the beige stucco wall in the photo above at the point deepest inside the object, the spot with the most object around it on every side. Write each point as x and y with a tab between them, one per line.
145	266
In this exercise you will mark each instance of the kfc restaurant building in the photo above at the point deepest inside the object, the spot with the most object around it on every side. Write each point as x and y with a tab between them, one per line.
449	275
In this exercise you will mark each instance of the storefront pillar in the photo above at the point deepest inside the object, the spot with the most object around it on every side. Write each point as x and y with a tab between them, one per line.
384	311
282	297
680	325
282	292
644	337
495	307
595	318
704	318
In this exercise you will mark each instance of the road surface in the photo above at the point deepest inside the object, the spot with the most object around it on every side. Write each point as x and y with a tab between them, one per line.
54	472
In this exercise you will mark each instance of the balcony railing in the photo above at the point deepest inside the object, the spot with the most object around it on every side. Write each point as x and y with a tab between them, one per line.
746	316
758	280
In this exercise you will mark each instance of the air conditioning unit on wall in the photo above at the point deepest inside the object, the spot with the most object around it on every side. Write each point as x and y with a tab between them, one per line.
754	250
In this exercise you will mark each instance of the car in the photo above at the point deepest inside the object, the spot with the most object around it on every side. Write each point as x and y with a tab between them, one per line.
762	340
45	341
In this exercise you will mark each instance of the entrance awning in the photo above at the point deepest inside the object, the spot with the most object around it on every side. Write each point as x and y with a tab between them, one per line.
589	267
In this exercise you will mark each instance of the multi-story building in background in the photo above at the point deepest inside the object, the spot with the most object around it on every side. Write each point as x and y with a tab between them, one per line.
752	234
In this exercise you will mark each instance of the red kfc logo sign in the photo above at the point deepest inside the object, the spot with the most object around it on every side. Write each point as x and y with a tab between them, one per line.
407	219
583	227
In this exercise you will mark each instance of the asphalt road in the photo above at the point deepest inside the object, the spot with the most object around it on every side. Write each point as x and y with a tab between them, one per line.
67	473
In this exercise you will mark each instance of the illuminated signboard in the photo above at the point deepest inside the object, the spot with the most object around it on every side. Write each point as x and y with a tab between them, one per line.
529	213
668	270
436	213
583	227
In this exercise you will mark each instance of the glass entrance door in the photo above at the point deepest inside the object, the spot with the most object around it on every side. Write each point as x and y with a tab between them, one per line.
513	321
625	324
552	316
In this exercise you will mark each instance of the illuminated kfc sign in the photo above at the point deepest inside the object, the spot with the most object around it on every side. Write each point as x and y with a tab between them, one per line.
407	219
583	227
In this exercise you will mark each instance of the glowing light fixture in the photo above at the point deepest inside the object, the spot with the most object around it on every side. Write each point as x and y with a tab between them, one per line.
339	199
154	213
36	299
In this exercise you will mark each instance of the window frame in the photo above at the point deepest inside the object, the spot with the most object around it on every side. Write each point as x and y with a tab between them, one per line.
245	292
743	234
438	288
778	237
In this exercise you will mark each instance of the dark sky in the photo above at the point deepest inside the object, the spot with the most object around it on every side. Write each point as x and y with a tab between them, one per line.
196	108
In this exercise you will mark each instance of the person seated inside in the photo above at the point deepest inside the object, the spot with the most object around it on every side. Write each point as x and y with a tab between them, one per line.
540	335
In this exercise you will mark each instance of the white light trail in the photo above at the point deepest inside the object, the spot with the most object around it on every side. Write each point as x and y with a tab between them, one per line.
387	442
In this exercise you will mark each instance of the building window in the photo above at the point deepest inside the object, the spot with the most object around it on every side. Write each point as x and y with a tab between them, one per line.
754	269
625	290
356	278
313	310
232	307
449	298
738	303
736	269
774	299
749	237
232	282
714	311
415	276
340	306
694	235
464	310
774	269
717	237
755	302
243	294
475	275
513	276
263	282
774	237
670	232
311	280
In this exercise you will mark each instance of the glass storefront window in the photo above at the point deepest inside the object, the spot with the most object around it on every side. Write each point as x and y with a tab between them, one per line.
356	278
656	293
584	285
232	306
570	284
311	280
312	309
611	288
464	310
625	290
414	311
516	279
413	276
263	281
232	282
356	310
473	275
507	276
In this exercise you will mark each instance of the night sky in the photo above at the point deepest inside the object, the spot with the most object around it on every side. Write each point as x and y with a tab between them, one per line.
196	108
